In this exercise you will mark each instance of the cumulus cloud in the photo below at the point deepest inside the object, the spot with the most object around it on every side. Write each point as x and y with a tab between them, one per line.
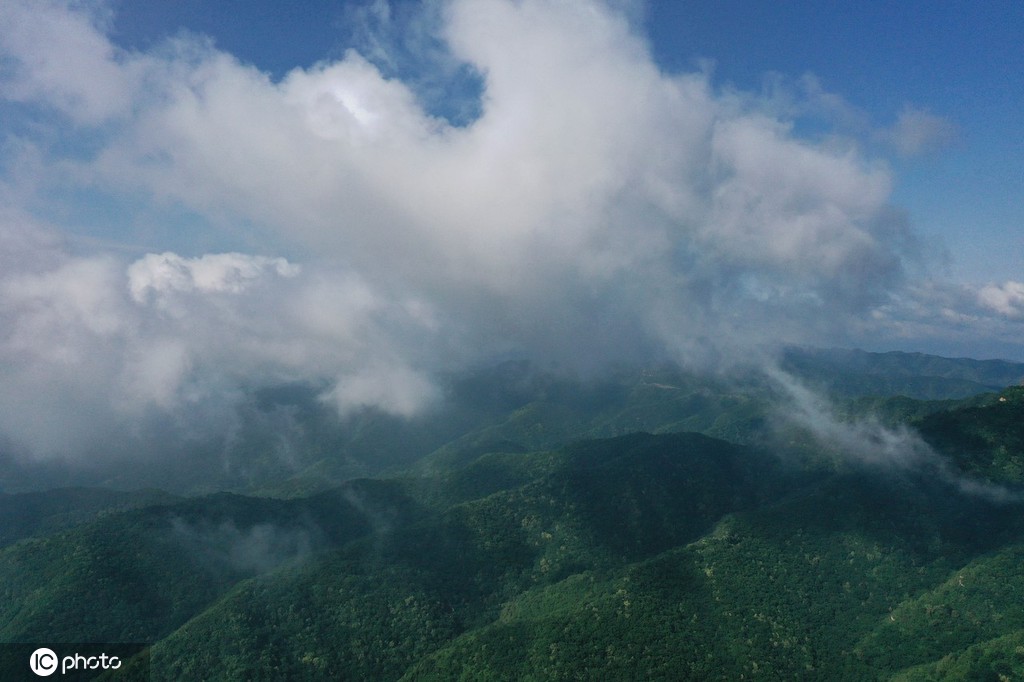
596	208
160	274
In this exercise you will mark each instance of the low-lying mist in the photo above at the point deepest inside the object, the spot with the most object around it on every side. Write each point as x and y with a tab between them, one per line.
867	441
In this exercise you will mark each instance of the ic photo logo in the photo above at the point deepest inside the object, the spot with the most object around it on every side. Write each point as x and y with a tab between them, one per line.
44	662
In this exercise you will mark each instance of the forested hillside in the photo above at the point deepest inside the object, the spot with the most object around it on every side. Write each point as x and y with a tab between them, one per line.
527	548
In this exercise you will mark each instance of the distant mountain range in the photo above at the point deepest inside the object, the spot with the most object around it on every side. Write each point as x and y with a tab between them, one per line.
915	375
285	441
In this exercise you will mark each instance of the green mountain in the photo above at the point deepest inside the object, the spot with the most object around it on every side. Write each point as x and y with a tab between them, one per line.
639	557
546	541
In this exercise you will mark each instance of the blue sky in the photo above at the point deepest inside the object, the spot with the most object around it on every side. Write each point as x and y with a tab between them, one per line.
197	196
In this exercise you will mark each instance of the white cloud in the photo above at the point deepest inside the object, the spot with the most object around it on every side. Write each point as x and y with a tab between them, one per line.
402	389
597	205
949	318
153	373
62	326
90	346
163	273
58	305
61	58
1006	298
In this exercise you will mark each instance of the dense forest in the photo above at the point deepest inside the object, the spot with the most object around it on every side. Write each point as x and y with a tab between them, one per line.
653	525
